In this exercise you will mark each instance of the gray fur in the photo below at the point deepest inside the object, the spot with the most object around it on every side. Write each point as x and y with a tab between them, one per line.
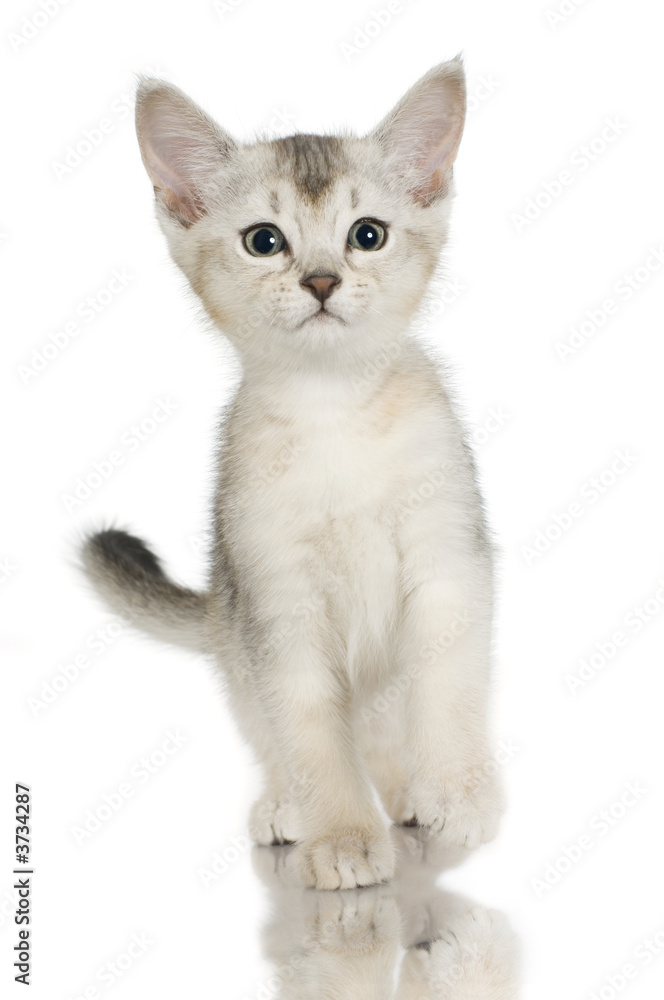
311	162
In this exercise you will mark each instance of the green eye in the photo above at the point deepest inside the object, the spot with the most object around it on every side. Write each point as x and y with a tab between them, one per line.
366	234
264	241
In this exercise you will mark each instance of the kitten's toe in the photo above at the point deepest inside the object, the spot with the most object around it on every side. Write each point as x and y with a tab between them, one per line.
464	813
347	859
274	820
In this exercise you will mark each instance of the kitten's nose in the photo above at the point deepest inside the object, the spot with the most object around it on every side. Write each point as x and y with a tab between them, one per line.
321	286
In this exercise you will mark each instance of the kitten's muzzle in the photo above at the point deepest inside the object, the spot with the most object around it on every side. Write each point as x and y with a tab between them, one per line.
321	286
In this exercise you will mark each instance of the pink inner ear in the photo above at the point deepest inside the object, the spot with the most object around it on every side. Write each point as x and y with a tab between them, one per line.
167	163
441	127
435	168
181	149
424	131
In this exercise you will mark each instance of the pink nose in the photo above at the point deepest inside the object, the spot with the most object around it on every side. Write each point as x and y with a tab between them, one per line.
321	286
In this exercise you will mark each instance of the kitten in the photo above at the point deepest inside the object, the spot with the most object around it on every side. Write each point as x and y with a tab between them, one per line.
350	555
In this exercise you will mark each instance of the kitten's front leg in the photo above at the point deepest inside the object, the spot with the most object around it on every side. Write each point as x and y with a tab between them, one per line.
453	788
305	698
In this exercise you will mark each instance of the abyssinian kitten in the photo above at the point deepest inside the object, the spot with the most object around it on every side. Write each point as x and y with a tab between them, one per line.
350	557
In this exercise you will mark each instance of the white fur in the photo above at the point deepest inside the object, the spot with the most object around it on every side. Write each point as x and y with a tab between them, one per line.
350	539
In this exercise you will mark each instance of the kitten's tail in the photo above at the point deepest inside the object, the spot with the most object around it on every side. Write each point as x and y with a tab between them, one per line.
131	580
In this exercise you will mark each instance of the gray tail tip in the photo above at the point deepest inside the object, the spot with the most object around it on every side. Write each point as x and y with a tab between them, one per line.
124	552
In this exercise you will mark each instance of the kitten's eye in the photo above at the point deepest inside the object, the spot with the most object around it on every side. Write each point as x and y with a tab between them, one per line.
366	234
264	241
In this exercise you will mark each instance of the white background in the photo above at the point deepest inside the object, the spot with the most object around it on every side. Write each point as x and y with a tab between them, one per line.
542	90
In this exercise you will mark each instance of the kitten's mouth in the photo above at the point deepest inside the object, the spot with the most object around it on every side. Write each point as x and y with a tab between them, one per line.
324	315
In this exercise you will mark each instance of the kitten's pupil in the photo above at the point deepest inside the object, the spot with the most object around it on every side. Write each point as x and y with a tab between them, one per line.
366	236
264	241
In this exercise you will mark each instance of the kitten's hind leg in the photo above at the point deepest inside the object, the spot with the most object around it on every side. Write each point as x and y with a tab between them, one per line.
454	789
275	816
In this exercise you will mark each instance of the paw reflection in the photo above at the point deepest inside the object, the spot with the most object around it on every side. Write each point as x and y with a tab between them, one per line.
406	940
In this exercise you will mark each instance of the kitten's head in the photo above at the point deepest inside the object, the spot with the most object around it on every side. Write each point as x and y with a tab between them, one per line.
307	246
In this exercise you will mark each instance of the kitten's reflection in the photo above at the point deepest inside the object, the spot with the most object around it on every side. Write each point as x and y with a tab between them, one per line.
409	940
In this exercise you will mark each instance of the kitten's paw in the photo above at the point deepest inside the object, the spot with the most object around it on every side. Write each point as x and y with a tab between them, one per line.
465	812
477	955
274	821
355	920
347	859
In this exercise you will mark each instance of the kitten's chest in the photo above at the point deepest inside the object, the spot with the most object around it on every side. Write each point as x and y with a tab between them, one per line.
331	465
321	513
328	474
311	510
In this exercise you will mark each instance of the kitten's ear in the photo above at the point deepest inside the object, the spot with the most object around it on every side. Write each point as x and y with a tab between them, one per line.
422	134
182	148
